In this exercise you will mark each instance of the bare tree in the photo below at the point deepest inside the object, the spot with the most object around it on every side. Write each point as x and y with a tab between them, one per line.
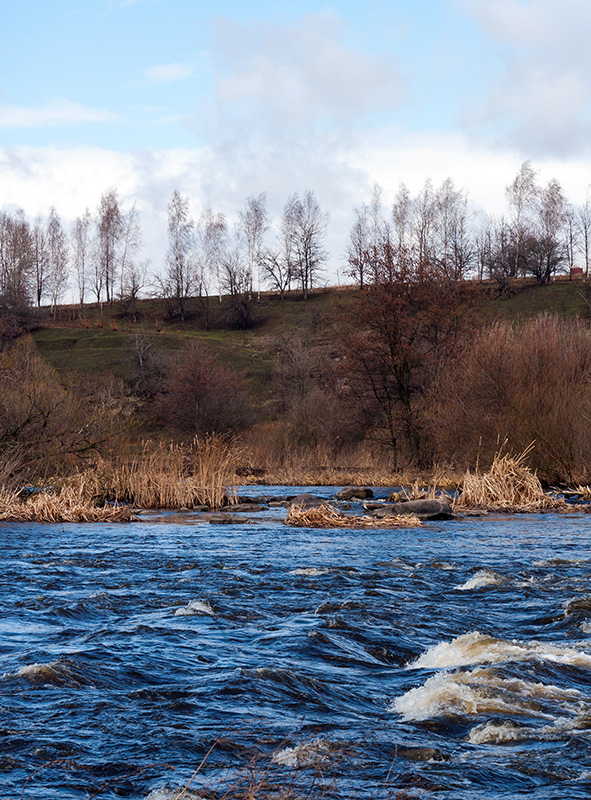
181	273
402	218
424	224
109	231
81	241
548	253
135	280
16	261
131	241
307	222
254	224
235	264
57	248
521	195
584	223
40	260
358	252
216	232
452	249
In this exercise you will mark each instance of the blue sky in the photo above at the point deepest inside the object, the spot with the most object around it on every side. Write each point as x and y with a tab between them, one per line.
230	100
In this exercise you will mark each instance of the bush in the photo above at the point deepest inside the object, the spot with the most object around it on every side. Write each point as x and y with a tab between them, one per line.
201	396
521	383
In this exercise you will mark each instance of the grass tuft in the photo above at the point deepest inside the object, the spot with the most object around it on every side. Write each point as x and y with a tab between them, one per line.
509	485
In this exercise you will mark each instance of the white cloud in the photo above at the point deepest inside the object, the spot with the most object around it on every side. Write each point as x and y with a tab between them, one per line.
167	73
58	112
540	100
285	78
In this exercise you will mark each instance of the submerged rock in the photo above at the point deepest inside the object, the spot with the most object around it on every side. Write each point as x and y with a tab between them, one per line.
422	754
240	507
228	519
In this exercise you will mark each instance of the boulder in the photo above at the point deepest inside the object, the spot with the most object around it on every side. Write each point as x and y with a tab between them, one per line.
307	500
354	492
423	509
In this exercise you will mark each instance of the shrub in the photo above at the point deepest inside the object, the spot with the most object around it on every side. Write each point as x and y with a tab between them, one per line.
521	383
201	396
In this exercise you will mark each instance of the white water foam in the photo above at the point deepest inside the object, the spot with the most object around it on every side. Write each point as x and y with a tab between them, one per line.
195	608
54	672
481	579
173	794
476	648
482	691
305	755
310	572
507	732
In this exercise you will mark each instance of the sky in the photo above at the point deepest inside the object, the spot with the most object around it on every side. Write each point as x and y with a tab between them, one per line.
227	100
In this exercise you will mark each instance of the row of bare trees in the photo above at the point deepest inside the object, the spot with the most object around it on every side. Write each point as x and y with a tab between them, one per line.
542	234
98	257
239	258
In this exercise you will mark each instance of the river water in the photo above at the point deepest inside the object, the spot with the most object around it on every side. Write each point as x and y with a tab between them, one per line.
448	661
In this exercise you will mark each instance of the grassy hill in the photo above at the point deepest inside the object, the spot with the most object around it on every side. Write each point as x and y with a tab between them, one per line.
99	344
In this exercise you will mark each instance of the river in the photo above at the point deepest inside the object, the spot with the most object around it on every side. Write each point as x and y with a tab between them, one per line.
451	661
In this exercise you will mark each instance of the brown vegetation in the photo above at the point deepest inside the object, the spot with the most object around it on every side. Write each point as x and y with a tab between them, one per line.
509	485
201	396
198	473
325	516
68	504
43	425
521	383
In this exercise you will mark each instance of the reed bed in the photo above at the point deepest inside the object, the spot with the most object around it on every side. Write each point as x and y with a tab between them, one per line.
509	485
65	505
200	473
325	516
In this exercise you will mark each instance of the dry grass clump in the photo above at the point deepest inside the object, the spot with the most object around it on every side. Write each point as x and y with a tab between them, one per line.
66	505
325	516
200	473
509	485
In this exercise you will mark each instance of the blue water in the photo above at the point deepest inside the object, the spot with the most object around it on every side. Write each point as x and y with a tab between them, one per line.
127	650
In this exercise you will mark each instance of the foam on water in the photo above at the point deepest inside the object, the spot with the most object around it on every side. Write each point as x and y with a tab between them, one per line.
476	648
195	608
306	754
166	793
510	732
310	572
482	691
57	673
481	579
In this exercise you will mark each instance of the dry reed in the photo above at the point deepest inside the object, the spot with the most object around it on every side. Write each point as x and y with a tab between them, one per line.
325	516
201	473
65	505
509	485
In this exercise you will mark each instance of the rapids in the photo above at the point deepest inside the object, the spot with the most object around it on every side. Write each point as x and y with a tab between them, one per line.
451	661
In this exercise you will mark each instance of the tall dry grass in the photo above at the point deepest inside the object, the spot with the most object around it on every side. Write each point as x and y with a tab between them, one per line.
68	504
266	450
198	473
509	485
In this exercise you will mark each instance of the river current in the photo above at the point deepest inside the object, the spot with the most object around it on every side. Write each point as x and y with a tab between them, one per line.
451	661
